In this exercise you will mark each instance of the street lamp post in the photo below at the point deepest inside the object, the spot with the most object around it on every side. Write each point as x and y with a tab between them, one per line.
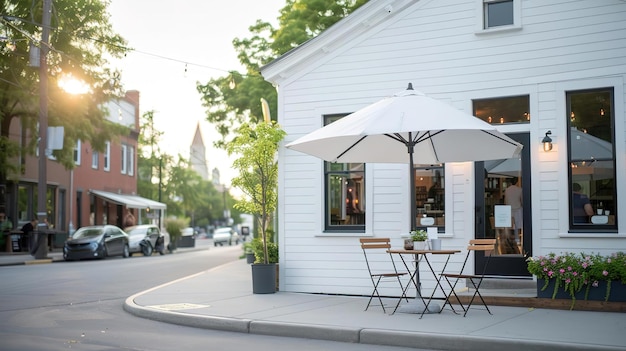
42	239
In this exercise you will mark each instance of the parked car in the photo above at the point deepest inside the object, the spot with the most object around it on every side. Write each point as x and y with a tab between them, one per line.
145	238
99	241
222	236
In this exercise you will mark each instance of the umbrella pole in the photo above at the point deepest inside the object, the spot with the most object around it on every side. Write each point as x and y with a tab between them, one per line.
412	183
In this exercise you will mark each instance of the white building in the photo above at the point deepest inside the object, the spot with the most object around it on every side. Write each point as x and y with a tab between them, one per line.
528	66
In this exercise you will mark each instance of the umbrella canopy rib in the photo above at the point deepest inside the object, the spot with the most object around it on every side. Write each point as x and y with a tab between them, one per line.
350	147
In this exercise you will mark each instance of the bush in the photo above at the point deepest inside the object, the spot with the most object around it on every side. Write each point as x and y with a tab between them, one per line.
174	227
272	251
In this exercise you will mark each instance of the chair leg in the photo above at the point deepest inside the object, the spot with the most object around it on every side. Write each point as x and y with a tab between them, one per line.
448	296
377	294
476	292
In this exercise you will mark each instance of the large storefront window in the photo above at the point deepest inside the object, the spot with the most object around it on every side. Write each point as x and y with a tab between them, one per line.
430	197
591	155
344	193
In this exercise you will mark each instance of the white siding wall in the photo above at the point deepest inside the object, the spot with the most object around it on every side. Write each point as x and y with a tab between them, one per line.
562	45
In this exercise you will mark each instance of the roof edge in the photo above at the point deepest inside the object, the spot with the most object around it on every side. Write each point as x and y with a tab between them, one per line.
363	19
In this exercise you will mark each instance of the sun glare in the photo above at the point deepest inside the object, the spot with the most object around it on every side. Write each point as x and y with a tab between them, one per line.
72	85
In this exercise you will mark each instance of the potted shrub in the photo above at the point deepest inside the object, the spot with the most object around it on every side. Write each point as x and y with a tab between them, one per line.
174	227
580	276
419	238
256	148
248	252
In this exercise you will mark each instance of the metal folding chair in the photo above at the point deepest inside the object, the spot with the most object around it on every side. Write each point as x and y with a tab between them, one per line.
487	246
375	252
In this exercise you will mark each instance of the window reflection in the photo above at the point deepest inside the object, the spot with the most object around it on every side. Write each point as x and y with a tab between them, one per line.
345	192
506	110
430	196
591	159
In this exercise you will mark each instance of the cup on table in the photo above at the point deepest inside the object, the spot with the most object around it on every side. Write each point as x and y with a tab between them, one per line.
435	244
600	211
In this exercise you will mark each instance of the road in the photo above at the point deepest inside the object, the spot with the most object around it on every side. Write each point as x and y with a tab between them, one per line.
78	306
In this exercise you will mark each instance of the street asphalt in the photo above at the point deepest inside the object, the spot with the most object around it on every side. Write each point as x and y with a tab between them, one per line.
221	298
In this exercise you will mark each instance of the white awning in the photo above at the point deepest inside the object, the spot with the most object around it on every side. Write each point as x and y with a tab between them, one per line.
130	201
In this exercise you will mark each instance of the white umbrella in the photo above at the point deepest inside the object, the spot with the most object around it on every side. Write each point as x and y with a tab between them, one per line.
408	127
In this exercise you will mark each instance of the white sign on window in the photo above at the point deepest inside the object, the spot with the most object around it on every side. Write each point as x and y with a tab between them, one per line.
502	216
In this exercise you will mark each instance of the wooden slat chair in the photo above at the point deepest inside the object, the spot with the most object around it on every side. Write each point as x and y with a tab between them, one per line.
379	246
487	246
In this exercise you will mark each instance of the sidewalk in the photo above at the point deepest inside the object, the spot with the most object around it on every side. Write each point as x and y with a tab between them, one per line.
222	299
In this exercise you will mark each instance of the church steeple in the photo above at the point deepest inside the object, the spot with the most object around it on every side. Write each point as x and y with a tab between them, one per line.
198	159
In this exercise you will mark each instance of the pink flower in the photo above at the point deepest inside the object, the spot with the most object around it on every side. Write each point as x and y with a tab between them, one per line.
595	284
605	273
575	274
585	265
568	280
550	273
562	270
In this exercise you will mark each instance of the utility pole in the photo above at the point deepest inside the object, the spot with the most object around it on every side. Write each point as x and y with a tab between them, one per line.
42	187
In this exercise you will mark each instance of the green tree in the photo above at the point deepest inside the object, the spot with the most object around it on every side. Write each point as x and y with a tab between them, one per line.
234	99
258	172
152	163
81	40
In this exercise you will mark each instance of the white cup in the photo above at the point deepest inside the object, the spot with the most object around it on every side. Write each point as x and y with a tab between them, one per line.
600	211
607	212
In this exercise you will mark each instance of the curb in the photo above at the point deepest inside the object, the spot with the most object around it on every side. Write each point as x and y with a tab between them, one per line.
384	337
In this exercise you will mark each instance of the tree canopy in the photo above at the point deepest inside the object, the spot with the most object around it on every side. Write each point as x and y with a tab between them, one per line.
235	98
81	42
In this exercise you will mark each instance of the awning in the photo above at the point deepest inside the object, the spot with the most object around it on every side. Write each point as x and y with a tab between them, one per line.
130	201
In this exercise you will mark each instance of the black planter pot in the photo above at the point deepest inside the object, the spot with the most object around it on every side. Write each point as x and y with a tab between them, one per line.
263	278
250	258
618	291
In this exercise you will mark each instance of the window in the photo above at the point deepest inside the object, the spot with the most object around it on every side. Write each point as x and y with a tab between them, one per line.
498	13
430	196
77	153
95	156
131	160
123	160
107	156
344	193
591	155
506	110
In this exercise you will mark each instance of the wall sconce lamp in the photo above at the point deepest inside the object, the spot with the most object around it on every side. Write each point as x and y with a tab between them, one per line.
547	141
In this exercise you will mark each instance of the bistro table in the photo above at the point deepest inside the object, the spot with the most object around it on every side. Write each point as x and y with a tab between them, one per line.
415	273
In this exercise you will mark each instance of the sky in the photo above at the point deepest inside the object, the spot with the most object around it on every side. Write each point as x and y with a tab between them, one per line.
179	43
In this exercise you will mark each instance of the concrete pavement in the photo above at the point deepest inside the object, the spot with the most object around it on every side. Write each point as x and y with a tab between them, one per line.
221	298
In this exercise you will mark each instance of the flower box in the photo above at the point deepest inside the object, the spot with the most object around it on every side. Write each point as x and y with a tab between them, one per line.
580	276
617	292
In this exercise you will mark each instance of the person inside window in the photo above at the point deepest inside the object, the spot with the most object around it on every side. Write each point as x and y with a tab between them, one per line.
582	209
513	198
